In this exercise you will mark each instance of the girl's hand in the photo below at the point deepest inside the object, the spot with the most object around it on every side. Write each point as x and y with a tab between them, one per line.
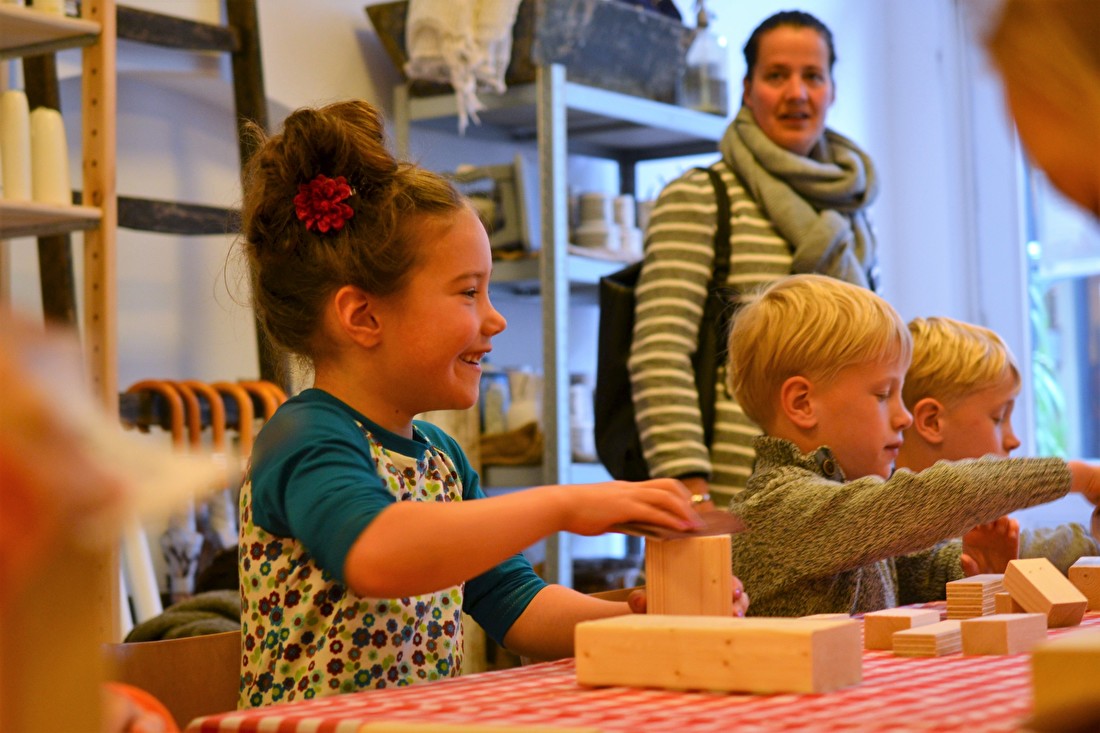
637	599
592	509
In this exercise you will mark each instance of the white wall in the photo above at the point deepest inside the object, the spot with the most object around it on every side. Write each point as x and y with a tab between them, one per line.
898	94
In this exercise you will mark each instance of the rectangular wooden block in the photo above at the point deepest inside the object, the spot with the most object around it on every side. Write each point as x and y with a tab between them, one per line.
1065	674
759	655
973	596
879	626
1005	603
1038	586
931	640
1085	576
1008	633
690	576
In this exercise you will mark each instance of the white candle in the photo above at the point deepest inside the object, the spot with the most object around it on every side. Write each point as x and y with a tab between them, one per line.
49	158
15	140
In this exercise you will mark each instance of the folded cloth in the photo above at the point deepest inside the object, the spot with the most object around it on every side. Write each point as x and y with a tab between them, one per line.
463	42
519	447
493	21
206	613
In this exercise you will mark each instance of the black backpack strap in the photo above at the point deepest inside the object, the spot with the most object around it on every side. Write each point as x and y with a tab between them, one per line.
710	354
722	233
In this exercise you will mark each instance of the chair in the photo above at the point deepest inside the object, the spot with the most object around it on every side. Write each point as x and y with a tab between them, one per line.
192	676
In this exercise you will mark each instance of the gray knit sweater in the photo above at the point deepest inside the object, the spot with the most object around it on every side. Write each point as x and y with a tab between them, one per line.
677	268
819	544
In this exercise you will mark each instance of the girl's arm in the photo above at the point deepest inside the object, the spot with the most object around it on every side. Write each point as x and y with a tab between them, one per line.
545	629
412	548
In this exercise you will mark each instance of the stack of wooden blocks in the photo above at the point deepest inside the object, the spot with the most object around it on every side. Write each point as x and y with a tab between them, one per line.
973	596
991	614
689	639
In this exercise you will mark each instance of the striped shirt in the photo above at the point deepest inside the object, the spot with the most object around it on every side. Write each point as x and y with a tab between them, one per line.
679	257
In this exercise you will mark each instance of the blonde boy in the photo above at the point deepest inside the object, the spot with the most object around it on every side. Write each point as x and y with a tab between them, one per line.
819	364
961	388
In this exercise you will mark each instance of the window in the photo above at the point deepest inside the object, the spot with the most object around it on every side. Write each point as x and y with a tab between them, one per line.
1063	255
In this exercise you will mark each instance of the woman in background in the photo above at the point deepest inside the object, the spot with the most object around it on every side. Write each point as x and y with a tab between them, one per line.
798	194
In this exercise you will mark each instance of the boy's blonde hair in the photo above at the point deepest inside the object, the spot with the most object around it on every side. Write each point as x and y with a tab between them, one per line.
812	326
952	359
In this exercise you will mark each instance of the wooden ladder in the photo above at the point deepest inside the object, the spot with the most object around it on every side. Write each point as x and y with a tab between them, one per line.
240	38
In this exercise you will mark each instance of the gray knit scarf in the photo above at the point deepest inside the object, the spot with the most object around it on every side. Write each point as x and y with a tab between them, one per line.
817	202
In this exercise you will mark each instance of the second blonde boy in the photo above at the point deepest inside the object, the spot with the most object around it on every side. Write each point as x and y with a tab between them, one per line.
961	389
819	364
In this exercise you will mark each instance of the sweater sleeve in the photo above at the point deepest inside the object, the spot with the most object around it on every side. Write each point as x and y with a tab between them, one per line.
1062	545
922	575
805	526
679	257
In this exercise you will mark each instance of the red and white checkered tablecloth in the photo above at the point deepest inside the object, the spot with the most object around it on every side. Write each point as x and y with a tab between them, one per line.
976	694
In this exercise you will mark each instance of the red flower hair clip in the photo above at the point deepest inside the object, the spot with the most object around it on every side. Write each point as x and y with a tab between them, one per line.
319	203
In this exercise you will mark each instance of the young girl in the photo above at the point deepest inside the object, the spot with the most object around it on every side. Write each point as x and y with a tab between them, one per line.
364	533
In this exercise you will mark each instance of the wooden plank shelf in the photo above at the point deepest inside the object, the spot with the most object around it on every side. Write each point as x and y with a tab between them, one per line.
167	31
26	32
33	219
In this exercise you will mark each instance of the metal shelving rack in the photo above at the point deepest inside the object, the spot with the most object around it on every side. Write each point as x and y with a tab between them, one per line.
562	118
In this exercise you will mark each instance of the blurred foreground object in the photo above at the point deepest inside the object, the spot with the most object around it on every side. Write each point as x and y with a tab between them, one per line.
69	479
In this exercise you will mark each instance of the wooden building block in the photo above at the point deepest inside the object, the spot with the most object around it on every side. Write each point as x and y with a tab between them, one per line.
1008	633
689	576
930	640
1065	673
879	626
973	596
760	655
1038	586
829	616
1085	576
1005	603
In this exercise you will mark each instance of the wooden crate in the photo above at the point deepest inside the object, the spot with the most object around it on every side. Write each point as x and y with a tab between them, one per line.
602	43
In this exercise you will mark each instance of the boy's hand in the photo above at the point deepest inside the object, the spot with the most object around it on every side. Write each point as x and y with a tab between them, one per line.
1085	479
637	599
988	547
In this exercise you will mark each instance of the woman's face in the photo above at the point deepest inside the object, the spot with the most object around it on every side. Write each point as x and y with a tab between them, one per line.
791	89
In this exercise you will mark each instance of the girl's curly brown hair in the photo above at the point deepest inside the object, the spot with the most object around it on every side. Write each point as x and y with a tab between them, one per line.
293	269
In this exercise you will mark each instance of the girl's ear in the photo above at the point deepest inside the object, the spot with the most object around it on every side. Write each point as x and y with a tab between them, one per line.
795	402
928	415
356	314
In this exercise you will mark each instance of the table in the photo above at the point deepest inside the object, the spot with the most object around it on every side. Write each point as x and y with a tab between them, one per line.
979	694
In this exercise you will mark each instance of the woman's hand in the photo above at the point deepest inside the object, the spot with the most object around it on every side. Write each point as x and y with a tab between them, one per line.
637	599
592	509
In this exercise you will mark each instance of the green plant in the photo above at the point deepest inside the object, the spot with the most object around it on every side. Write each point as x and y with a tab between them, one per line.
1050	402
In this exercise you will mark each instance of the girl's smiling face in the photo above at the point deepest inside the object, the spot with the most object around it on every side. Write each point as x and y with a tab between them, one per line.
441	324
791	89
